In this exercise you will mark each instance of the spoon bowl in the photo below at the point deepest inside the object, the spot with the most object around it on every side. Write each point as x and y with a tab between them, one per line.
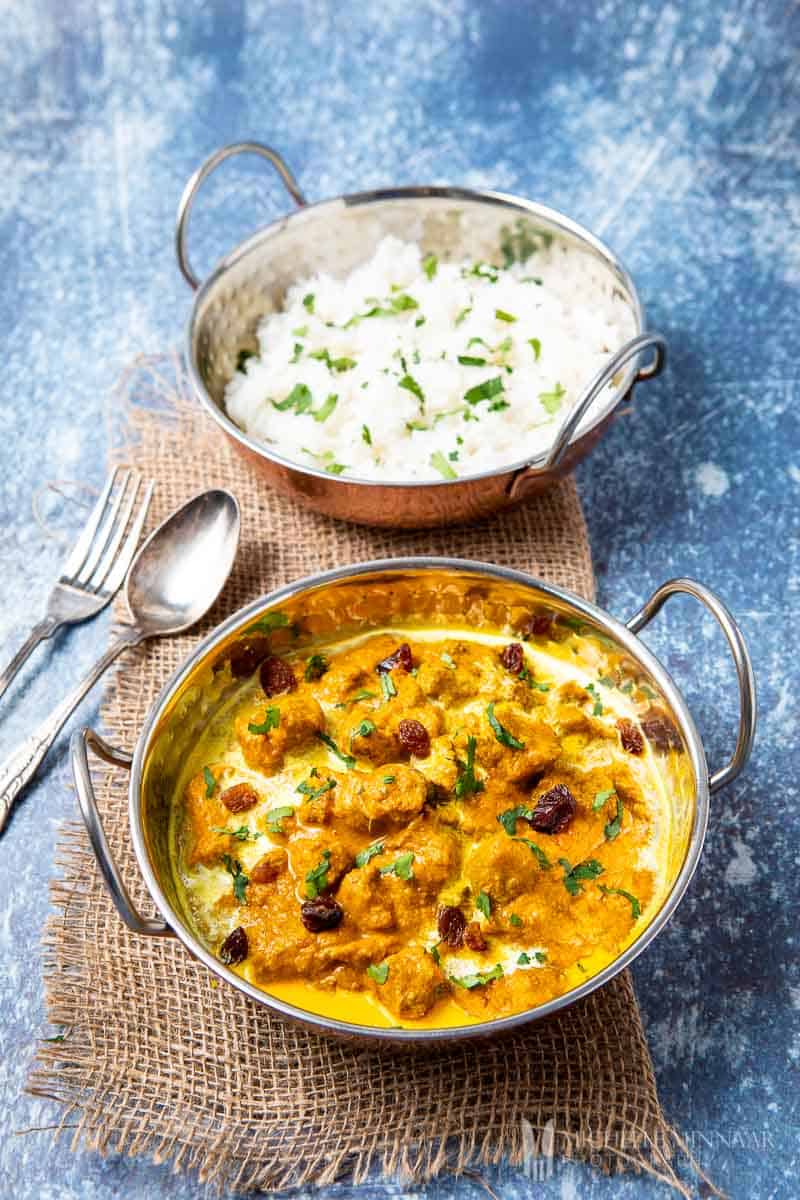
180	569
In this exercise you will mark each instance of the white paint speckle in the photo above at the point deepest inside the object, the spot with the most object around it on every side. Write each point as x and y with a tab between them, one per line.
711	479
793	472
741	870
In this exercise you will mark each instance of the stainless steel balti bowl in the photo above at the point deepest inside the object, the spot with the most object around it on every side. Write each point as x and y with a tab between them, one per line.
336	235
431	592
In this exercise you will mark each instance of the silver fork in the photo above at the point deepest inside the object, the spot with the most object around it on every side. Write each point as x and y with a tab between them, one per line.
95	567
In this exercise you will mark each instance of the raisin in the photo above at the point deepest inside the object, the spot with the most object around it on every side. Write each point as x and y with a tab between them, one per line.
245	656
513	658
659	729
240	797
322	913
414	738
538	625
234	949
554	810
269	867
451	924
629	735
401	658
474	939
276	676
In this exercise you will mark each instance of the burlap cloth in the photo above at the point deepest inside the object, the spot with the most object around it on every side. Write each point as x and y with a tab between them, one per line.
158	1058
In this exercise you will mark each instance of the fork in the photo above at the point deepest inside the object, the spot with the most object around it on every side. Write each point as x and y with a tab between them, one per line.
95	567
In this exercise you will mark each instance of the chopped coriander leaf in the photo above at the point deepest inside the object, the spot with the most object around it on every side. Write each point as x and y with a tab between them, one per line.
636	908
602	798
477	341
388	779
481	270
240	880
453	456
498	405
307	789
299	399
363	694
597	710
316	667
379	973
403	302
647	692
388	686
210	782
317	877
366	436
484	391
551	401
409	383
502	315
301	331
515	920
478	979
537	852
308	302
242	357
440	463
417	426
298	350
613	828
573	876
419	321
324	411
540	956
335	468
523	960
536	346
347	759
365	729
503	736
462	316
469	360
401	867
466	783
532	279
272	719
364	856
276	817
483	903
434	953
333	364
509	818
607	681
269	621
430	265
242	834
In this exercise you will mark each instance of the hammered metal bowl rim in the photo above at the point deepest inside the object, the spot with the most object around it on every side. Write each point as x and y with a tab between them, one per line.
411	565
356	199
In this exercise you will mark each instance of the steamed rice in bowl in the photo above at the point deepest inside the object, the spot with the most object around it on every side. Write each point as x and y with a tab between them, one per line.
413	368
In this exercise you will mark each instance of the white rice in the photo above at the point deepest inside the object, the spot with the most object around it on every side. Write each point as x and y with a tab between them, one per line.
407	409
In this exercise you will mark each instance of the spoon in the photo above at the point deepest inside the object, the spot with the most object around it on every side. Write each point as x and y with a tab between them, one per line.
174	579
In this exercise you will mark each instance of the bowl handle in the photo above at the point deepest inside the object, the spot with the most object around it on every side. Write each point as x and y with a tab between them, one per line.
741	658
199	177
80	743
631	349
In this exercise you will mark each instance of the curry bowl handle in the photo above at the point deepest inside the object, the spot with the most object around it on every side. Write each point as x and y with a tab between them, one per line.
80	743
631	349
741	659
202	173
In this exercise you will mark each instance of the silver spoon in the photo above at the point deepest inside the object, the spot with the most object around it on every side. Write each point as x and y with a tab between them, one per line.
174	579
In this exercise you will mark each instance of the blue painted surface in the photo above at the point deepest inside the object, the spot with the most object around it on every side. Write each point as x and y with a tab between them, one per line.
671	131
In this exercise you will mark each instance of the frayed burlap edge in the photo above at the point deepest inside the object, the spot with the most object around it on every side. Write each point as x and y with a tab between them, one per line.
103	1102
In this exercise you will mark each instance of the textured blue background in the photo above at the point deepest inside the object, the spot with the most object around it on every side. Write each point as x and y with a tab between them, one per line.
671	131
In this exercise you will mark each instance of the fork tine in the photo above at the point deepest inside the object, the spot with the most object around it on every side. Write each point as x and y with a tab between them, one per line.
103	537
125	558
107	561
77	555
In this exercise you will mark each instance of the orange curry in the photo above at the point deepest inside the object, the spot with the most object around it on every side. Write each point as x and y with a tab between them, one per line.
422	828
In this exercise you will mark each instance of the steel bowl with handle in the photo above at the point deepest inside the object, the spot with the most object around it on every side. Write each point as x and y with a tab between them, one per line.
430	591
335	236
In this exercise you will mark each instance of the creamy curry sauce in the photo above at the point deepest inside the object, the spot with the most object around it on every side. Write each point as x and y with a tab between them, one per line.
421	830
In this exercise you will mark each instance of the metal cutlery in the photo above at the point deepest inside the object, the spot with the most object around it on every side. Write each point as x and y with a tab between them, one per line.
95	567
